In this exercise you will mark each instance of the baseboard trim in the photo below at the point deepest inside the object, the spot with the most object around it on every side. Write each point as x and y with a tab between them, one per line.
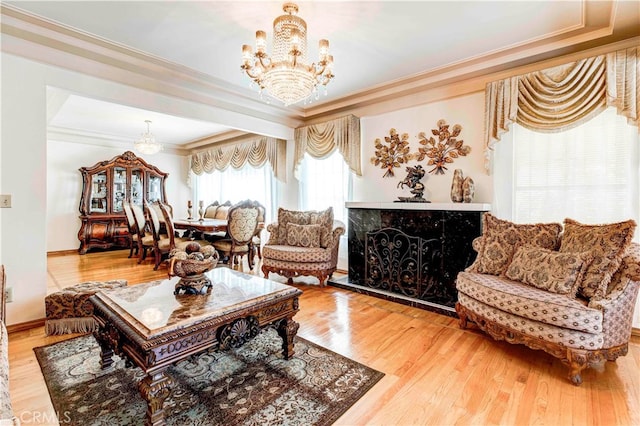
23	326
62	252
635	332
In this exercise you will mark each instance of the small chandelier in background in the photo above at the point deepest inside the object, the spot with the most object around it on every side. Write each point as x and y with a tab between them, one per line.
147	143
285	74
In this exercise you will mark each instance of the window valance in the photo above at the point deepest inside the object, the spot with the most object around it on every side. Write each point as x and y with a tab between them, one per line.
559	98
320	140
255	152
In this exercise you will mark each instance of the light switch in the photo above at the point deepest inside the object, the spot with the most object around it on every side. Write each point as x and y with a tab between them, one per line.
5	201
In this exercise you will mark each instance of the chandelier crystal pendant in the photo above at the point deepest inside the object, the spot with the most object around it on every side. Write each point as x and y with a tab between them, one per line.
147	143
285	74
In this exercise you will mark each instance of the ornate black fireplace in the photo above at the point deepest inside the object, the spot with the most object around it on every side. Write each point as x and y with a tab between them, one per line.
411	253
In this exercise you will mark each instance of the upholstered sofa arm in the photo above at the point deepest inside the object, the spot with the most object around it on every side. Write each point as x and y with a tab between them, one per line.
617	310
476	244
272	228
338	230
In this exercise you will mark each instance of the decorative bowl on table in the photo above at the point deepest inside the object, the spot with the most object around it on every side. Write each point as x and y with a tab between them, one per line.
190	265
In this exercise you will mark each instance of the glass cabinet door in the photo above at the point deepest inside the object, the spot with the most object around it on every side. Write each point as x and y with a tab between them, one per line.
98	202
119	188
136	187
155	193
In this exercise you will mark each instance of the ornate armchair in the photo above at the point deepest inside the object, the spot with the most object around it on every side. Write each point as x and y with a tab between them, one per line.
302	243
242	225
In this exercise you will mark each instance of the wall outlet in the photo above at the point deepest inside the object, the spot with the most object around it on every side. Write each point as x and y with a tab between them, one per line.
8	294
5	201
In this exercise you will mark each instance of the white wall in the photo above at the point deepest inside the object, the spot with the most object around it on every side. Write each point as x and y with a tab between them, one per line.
65	184
23	170
468	111
25	234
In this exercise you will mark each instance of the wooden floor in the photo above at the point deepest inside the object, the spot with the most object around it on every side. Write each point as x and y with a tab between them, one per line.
435	373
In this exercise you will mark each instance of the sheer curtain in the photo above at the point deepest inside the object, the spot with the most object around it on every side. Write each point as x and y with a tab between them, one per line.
589	173
236	185
325	182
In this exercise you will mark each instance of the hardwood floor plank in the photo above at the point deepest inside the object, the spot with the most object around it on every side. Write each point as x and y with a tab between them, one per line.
435	373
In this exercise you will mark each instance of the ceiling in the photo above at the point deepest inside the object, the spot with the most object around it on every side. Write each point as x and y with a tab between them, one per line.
378	46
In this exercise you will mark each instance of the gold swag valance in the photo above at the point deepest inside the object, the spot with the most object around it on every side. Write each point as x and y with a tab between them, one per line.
255	152
320	140
559	98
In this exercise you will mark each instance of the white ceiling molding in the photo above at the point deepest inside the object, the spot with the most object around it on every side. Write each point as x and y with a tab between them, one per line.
598	23
65	46
98	139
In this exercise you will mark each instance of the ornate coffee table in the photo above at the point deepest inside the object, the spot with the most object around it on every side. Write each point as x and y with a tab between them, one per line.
153	328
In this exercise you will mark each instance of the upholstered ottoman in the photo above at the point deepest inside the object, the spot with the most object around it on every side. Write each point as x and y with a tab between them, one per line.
69	310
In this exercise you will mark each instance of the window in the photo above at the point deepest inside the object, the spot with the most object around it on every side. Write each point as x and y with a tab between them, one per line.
236	185
589	173
325	182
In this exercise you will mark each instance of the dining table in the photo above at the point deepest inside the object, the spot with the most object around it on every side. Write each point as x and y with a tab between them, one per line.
203	225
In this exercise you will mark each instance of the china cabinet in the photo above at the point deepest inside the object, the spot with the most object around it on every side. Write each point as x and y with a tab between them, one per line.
104	187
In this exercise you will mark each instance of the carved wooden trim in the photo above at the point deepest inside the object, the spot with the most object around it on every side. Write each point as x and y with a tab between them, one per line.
321	274
238	332
287	329
576	359
155	388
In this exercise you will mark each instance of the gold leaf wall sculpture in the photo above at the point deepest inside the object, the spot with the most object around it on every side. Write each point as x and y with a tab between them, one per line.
393	152
443	150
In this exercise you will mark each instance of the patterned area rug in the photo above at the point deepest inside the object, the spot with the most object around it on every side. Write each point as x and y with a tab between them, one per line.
252	385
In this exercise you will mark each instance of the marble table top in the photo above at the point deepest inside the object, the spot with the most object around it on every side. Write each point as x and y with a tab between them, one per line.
152	309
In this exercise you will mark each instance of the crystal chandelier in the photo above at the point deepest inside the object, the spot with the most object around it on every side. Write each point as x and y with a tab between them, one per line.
147	143
285	74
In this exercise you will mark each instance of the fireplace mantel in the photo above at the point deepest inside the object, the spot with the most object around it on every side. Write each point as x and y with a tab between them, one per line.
482	207
411	252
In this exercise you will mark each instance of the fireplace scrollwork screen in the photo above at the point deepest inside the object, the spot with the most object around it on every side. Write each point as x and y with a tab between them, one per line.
404	264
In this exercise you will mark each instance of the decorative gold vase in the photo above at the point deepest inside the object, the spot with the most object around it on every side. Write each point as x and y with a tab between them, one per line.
456	186
468	190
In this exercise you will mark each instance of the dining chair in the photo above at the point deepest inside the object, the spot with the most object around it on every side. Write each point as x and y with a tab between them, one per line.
131	227
241	228
176	241
145	237
162	241
256	241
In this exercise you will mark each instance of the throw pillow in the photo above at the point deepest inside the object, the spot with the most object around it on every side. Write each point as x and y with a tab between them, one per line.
289	216
303	235
323	218
501	238
559	273
606	244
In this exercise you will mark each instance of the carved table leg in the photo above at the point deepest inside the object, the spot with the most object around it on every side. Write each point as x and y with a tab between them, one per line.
155	388
106	343
287	329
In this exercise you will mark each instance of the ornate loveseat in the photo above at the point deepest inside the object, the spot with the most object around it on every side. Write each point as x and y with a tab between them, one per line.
569	293
303	243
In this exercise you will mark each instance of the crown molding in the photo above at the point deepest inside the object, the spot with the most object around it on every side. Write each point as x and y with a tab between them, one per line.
135	68
208	142
56	133
595	30
48	42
